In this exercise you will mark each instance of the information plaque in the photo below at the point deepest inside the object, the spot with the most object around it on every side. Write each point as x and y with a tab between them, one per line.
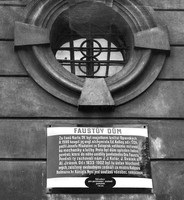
98	158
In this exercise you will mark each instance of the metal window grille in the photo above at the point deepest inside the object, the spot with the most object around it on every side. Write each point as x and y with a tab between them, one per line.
89	64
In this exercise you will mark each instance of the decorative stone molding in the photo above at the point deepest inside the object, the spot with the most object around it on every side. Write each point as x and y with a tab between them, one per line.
148	47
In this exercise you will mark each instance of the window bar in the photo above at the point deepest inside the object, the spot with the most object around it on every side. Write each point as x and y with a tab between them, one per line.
108	54
94	61
72	56
95	49
89	65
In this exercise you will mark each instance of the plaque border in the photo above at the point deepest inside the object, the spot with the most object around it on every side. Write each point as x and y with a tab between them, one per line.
123	190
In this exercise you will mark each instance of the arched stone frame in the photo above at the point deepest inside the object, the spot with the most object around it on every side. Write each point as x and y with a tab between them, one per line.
149	43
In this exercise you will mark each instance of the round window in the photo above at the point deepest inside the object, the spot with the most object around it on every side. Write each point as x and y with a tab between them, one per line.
91	40
90	44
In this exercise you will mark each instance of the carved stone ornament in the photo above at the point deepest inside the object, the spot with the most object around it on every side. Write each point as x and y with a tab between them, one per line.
147	41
